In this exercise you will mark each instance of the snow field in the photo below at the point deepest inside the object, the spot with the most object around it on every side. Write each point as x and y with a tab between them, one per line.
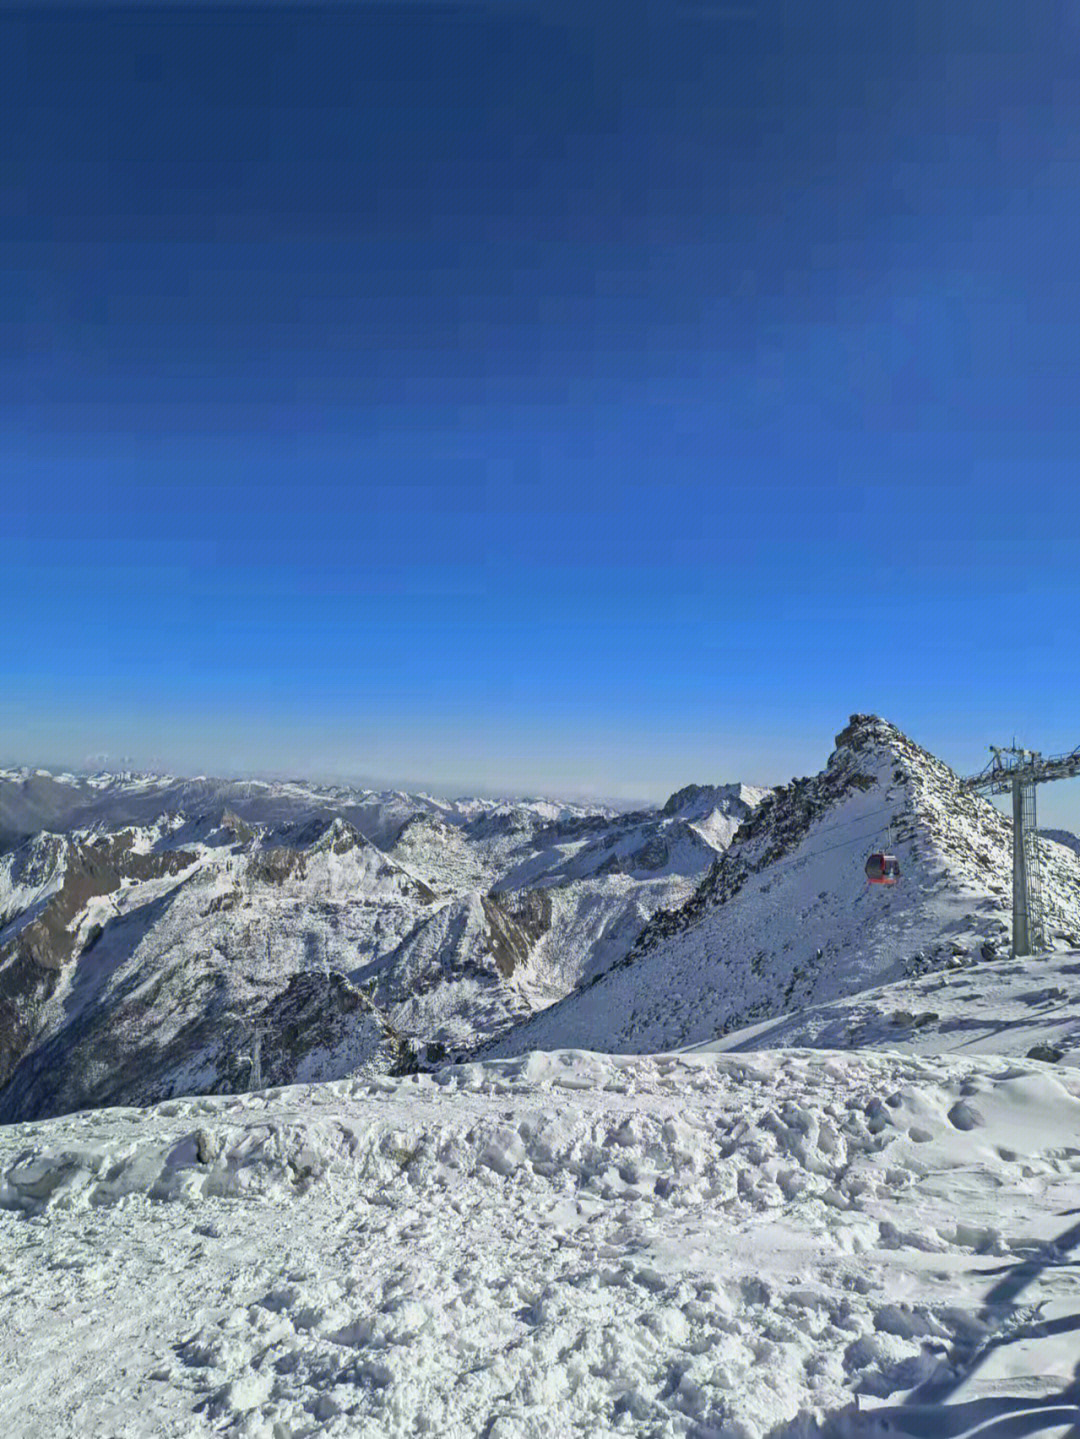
1005	1007
560	1244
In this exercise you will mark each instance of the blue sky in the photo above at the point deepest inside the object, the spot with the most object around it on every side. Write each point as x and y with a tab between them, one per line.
534	396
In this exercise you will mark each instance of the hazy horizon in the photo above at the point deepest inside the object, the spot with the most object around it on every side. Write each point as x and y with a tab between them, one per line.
1058	803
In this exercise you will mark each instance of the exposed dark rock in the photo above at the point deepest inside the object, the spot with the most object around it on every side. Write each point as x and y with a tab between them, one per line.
275	866
235	825
319	1012
517	921
31	962
1048	1053
653	854
702	797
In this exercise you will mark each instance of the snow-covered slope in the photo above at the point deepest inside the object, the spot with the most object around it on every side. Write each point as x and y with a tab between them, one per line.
785	1245
29	875
1019	1007
586	884
599	885
785	917
451	979
1064	837
148	974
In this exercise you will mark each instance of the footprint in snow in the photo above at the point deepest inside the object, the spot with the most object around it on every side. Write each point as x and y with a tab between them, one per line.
964	1116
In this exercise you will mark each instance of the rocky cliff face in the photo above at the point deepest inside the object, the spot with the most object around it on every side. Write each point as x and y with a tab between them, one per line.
59	922
135	969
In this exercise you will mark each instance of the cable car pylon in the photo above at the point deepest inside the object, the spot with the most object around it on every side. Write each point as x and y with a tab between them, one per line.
1018	771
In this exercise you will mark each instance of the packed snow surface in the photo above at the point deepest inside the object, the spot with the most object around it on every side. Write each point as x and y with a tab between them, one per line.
563	1244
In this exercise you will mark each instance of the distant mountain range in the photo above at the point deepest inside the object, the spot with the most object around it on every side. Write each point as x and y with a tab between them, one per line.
164	936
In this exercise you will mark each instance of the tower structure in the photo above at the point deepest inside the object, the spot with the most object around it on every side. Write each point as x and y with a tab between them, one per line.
1017	771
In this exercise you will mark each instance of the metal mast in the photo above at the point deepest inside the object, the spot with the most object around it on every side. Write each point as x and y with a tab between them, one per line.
1018	771
1028	931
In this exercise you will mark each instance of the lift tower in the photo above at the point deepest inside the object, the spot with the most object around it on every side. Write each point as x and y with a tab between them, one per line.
1018	771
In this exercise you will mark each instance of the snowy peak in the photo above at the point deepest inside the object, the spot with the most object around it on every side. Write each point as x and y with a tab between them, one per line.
866	731
785	918
879	791
317	832
331	855
29	874
340	837
696	801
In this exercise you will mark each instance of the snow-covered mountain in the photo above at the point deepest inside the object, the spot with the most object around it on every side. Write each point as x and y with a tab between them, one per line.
147	967
158	958
32	800
785	919
276	937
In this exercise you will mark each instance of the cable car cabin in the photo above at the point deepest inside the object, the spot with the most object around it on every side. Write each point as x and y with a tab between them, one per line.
883	869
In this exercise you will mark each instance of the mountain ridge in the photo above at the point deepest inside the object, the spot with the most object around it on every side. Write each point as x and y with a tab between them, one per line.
784	918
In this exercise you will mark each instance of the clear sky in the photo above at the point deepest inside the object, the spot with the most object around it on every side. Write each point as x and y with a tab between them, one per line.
538	396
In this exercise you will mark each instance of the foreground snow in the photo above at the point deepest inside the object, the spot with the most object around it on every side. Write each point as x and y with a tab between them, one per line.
562	1244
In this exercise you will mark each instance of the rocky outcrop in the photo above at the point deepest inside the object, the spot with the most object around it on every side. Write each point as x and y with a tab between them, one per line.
516	922
30	963
321	1026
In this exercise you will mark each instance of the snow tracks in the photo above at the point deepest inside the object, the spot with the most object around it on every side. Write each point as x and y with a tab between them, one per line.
564	1244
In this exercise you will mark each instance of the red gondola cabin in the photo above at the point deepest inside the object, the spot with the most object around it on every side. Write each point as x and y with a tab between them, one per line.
883	869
